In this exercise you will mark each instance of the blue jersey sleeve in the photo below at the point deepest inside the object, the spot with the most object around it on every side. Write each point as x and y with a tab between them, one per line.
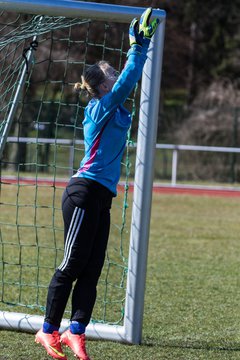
104	108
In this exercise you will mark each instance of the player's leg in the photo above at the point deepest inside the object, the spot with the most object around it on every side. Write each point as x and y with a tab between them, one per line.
61	284
84	292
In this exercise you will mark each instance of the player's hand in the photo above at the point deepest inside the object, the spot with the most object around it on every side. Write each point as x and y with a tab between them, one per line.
145	28
135	38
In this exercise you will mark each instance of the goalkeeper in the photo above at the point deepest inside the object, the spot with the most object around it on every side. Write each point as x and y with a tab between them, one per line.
87	199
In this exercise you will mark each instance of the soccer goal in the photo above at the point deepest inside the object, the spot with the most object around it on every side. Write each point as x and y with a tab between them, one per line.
45	46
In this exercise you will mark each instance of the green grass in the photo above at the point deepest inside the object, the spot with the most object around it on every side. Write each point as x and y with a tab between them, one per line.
192	290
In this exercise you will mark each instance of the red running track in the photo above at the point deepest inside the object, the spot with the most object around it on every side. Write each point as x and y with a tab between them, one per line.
157	188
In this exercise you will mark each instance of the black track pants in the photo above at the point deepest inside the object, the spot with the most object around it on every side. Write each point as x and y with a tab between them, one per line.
86	214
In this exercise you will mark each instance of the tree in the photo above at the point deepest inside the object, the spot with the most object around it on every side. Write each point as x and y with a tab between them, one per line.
216	39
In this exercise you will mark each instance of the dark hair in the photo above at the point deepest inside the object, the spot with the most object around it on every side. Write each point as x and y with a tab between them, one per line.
91	79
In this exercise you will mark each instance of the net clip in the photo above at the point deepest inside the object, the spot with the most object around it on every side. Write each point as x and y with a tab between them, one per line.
33	46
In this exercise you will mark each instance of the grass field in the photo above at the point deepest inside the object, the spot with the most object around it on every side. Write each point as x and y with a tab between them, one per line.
192	292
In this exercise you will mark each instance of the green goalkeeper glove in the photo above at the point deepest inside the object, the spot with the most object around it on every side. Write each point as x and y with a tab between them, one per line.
140	35
145	28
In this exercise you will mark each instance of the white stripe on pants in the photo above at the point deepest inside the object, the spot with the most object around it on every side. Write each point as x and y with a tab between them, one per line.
73	230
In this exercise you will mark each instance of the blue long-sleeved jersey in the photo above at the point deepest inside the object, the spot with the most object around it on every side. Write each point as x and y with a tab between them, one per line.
106	124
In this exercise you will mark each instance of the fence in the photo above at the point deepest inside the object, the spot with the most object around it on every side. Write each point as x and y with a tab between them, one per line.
173	158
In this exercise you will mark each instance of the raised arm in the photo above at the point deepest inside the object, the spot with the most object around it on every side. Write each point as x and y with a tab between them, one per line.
139	38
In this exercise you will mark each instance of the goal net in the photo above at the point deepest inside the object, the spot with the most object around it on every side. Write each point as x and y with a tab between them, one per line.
41	58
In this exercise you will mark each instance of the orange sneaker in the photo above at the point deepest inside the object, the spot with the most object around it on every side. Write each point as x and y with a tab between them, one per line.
76	343
52	344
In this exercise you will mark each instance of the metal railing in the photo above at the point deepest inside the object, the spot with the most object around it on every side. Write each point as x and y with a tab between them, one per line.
174	148
177	148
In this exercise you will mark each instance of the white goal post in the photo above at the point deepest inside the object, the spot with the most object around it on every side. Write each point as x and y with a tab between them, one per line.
131	330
